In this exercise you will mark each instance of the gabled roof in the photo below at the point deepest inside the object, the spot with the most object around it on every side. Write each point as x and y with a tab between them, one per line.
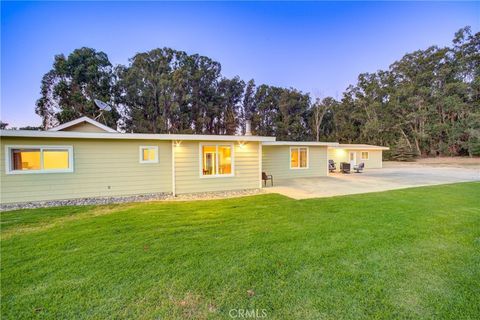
82	120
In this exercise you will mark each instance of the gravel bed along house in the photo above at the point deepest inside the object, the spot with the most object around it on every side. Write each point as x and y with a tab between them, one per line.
126	199
216	195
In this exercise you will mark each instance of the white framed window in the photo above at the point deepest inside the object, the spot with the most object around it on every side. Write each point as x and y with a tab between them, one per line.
148	154
299	157
25	159
364	155
216	160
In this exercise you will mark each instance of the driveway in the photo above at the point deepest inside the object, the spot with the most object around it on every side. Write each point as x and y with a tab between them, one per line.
392	176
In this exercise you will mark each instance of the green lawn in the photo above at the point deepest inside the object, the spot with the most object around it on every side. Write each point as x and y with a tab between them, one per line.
412	253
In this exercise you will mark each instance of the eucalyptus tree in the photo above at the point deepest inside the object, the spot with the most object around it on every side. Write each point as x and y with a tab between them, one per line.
202	81
68	90
267	99
230	93
466	61
249	107
320	117
150	87
292	122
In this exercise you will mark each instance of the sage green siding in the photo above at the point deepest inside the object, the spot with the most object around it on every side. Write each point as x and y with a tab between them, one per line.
374	159
341	155
337	155
187	169
101	168
276	161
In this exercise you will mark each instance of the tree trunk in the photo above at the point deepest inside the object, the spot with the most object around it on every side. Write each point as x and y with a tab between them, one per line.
406	138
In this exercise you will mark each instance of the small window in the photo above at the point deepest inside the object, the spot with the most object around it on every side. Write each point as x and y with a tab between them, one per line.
216	160
39	159
299	158
364	155
148	154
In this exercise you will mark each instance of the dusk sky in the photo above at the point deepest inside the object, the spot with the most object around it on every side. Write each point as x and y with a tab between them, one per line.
315	47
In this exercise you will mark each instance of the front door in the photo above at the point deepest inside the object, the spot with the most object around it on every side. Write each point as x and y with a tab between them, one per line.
352	157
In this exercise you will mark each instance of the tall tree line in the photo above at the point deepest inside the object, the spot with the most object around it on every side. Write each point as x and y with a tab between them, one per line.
428	101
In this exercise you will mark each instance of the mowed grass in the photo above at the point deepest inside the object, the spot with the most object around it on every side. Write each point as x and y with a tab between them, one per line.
412	253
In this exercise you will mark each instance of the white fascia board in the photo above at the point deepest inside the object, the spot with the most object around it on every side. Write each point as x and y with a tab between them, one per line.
80	120
366	147
301	143
128	136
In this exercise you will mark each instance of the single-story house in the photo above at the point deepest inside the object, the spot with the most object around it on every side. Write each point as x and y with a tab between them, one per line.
84	158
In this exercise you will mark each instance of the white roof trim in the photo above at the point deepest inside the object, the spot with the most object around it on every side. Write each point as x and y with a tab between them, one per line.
128	136
80	120
361	147
301	143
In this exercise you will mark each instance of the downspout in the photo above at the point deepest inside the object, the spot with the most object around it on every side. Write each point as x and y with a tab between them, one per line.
173	168
260	160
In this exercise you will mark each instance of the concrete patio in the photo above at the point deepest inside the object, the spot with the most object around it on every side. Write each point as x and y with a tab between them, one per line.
392	176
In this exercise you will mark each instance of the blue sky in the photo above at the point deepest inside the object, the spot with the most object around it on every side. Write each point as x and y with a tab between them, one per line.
316	47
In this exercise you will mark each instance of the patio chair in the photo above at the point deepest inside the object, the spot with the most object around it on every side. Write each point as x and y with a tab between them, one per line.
345	167
359	167
266	177
331	166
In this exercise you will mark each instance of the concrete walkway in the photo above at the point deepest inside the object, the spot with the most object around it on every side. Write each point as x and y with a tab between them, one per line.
392	176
